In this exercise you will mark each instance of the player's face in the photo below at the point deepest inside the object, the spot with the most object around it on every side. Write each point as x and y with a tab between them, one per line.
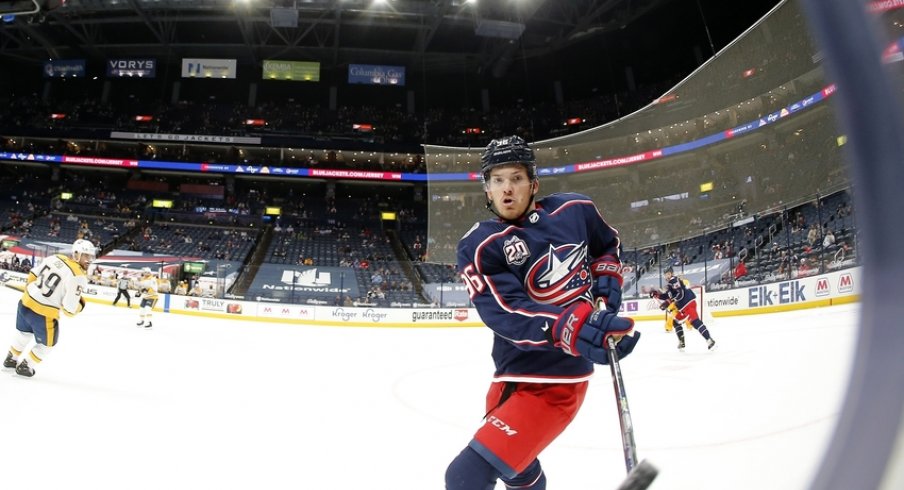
510	189
85	260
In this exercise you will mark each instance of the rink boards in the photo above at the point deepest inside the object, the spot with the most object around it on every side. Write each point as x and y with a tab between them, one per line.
808	292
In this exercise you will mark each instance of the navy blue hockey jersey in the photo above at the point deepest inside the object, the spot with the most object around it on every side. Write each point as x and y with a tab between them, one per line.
521	276
678	292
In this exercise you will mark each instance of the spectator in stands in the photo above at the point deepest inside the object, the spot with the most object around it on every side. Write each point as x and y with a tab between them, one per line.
376	278
181	288
804	269
195	290
829	240
813	235
784	264
740	270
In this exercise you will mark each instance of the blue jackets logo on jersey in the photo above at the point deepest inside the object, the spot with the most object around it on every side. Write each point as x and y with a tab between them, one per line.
559	276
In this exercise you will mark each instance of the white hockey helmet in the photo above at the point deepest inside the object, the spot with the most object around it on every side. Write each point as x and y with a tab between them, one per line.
146	271
82	248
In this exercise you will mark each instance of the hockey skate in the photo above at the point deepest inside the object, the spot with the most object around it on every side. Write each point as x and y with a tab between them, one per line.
23	369
711	344
148	325
140	324
681	345
10	361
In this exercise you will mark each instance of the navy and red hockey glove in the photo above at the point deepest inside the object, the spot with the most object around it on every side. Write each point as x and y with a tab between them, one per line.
581	331
607	276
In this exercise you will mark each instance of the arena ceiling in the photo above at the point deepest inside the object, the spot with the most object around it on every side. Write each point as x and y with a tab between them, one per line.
434	35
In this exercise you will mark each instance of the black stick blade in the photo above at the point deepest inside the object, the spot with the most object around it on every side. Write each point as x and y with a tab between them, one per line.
640	477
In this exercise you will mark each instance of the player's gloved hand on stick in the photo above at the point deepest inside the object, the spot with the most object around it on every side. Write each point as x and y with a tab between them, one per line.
654	293
606	272
664	305
581	331
137	294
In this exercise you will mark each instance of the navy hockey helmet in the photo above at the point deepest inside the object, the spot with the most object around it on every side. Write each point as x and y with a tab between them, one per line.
506	151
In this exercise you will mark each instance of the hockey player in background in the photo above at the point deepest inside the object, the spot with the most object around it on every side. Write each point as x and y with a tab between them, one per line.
533	273
685	301
147	291
53	285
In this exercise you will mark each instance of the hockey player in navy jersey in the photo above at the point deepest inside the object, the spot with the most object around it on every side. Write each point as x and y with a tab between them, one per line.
685	301
533	273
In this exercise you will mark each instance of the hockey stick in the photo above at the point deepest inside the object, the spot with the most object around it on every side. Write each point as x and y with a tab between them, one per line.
641	475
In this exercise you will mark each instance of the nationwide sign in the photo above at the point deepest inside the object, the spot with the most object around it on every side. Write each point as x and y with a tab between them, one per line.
376	74
141	68
64	68
301	282
303	71
208	68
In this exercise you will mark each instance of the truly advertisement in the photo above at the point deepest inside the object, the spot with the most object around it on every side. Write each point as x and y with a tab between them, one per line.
208	68
64	68
134	67
296	71
213	305
376	74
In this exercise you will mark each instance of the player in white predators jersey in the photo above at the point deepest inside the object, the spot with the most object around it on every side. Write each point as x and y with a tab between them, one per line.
147	291
53	285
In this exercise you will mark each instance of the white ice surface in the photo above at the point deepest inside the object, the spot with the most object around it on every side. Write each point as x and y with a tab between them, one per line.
220	404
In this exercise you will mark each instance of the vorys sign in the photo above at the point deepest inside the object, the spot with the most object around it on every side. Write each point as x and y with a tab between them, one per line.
142	68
